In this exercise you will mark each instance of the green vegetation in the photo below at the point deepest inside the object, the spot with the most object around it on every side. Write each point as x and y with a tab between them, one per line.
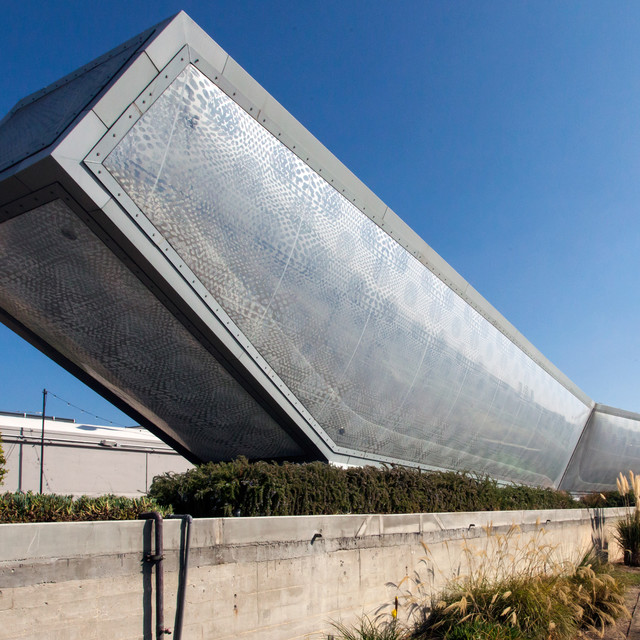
3	462
269	489
607	499
368	629
31	507
534	607
625	576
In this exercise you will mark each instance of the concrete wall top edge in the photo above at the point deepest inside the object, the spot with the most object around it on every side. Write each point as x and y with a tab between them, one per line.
19	542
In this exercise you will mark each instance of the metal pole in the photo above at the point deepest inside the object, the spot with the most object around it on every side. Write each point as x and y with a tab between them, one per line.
182	579
156	559
44	408
20	454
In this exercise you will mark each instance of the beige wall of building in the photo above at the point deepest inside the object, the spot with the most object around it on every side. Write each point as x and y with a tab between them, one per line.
83	459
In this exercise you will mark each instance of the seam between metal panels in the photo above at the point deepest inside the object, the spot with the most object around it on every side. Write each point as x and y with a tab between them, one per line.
583	434
36	199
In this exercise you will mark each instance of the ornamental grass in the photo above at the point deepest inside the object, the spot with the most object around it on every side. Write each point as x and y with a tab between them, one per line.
512	588
627	532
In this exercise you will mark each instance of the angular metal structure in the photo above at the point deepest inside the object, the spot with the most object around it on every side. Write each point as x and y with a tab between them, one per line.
176	239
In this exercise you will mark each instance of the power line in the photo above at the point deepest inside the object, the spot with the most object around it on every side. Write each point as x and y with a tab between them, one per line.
93	415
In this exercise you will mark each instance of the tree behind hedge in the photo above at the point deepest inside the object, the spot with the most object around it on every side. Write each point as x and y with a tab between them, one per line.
3	462
608	499
270	489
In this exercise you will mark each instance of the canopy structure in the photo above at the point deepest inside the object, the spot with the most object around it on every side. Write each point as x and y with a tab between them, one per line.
177	240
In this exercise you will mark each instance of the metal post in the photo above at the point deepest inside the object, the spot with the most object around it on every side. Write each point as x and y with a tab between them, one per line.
156	559
20	454
44	408
182	576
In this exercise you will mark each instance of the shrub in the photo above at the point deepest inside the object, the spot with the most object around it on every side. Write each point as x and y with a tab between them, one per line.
607	499
268	489
517	497
32	507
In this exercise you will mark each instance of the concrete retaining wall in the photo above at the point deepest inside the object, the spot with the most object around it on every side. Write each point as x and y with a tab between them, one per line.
274	578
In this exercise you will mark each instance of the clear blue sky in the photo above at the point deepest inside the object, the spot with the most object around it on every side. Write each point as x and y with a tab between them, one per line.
507	134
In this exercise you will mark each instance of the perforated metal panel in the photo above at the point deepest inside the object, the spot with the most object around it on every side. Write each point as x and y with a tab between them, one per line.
62	282
386	358
611	444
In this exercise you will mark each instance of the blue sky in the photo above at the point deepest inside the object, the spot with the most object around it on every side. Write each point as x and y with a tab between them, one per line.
507	134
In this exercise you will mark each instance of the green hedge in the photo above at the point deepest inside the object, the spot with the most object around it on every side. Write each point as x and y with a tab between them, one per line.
265	489
269	489
33	507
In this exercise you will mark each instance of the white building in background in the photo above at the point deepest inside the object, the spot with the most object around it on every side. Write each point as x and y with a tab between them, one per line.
82	458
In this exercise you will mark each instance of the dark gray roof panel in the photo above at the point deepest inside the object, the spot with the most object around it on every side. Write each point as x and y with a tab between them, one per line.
37	121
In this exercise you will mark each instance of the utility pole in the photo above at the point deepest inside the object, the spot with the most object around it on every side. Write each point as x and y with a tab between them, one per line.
44	408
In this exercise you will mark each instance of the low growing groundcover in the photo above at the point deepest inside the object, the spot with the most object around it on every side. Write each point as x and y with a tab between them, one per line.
33	507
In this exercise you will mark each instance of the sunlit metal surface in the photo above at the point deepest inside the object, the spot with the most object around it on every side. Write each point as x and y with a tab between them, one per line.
58	278
610	444
383	355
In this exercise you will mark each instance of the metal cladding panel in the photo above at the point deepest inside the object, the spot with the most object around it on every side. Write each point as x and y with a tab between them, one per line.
386	359
61	281
37	122
610	444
